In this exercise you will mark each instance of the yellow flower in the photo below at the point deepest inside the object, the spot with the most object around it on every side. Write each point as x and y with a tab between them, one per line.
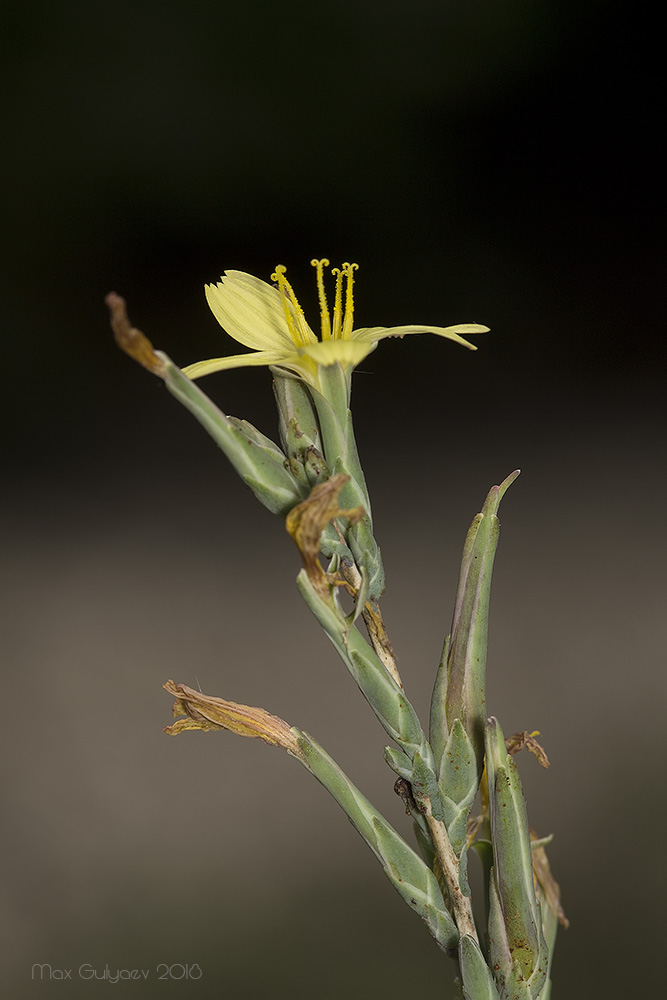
270	320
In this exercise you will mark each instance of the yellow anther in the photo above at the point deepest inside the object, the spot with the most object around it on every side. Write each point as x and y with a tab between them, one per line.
342	325
299	330
348	271
338	304
322	295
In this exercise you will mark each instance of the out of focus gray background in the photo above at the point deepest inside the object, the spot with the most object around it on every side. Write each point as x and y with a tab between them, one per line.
489	162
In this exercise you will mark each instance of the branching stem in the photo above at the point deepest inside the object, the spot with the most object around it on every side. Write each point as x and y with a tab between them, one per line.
450	866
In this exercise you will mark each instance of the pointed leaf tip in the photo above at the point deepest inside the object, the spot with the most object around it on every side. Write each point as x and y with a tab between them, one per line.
507	482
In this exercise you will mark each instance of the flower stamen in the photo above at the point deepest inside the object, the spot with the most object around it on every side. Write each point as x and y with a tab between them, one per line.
342	325
338	303
322	295
298	328
348	271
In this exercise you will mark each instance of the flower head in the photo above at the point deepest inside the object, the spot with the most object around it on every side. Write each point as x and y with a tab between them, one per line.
269	319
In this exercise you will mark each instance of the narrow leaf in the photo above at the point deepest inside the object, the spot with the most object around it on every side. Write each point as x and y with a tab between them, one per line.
477	979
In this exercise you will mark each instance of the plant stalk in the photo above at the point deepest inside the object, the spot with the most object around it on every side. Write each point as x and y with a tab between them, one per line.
450	865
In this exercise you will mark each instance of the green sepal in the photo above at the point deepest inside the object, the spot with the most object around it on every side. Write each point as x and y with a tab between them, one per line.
500	957
484	851
309	468
299	429
367	555
361	597
458	783
339	446
458	773
513	889
399	762
409	875
437	729
335	387
477	979
546	991
259	462
331	544
315	468
516	985
340	453
425	786
550	929
466	658
509	969
297	418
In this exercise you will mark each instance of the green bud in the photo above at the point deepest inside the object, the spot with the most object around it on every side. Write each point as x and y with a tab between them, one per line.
518	948
425	786
367	555
299	429
458	784
399	762
466	657
298	423
437	733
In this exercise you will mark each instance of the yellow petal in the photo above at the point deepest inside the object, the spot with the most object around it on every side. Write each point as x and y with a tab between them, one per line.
250	311
201	368
450	332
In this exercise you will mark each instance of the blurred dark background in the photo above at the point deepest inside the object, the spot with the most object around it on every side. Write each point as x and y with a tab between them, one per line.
481	161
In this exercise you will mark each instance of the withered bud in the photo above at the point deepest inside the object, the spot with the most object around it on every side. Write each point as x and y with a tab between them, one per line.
131	340
548	883
519	741
207	713
306	522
